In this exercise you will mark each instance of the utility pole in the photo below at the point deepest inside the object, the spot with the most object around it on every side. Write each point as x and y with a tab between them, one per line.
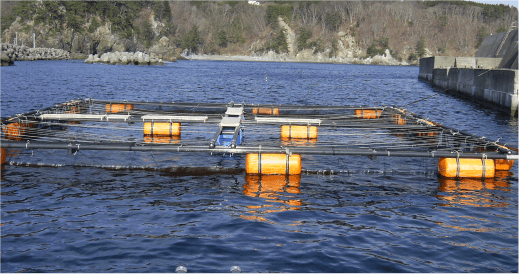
33	40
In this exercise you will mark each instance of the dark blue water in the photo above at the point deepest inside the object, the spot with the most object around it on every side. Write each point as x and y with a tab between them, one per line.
382	215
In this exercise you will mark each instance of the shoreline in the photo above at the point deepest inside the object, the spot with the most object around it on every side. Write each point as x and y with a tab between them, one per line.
245	58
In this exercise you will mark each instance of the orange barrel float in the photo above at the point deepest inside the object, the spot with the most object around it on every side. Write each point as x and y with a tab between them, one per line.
399	119
368	113
267	111
299	132
429	132
74	109
272	163
4	156
17	130
157	139
466	168
115	108
501	164
162	129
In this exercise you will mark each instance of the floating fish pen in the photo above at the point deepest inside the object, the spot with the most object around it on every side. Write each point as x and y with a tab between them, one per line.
272	137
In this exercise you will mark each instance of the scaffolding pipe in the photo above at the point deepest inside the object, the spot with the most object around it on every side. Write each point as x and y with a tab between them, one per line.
336	151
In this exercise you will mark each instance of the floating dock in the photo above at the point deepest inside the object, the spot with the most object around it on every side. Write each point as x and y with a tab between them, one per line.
273	137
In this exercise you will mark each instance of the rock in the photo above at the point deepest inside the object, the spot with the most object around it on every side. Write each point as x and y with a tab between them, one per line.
113	59
124	58
90	59
5	57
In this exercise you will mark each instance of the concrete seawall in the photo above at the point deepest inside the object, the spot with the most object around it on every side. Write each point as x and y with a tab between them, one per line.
498	87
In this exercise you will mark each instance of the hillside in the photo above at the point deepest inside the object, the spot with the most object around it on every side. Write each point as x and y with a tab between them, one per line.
327	31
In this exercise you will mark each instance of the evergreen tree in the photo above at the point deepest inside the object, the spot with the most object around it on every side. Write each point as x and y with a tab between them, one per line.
192	40
222	39
166	12
302	39
420	47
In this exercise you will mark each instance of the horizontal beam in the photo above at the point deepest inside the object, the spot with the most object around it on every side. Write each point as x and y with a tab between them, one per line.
243	150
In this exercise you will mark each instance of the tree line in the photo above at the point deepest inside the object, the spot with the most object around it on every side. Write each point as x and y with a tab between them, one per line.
406	29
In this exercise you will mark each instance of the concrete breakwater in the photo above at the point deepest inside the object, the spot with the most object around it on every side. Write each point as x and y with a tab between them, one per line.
124	58
481	82
11	53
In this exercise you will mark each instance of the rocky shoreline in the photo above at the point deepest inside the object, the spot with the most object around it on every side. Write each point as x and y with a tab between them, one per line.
123	58
271	56
12	53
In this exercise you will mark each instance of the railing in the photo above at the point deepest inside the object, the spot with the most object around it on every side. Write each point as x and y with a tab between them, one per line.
512	26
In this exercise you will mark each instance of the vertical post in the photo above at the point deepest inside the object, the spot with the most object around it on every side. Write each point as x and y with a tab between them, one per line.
33	40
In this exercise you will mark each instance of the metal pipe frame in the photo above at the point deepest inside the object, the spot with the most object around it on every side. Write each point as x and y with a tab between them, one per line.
336	151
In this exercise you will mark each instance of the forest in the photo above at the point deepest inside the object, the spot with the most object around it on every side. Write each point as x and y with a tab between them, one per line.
408	30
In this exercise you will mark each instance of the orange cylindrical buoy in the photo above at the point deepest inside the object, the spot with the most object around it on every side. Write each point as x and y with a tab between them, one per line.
301	132
267	111
162	129
368	113
272	164
17	130
399	119
427	131
114	108
74	110
502	164
4	156
466	168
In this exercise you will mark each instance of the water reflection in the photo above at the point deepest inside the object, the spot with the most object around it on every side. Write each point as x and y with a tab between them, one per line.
298	142
281	189
475	192
157	139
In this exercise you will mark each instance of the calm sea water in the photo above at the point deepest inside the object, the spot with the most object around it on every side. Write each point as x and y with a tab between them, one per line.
383	215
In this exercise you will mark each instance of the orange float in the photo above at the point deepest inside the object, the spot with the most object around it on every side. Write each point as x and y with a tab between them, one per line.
266	111
3	156
272	164
501	164
466	168
115	108
368	113
17	130
299	132
399	119
161	129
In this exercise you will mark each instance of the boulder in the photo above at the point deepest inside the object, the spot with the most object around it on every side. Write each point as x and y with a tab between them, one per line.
5	57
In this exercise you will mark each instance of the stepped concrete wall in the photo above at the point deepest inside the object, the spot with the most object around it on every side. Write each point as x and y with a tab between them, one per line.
499	87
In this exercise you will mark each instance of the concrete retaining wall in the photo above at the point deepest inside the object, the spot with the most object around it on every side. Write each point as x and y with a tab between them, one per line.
499	87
